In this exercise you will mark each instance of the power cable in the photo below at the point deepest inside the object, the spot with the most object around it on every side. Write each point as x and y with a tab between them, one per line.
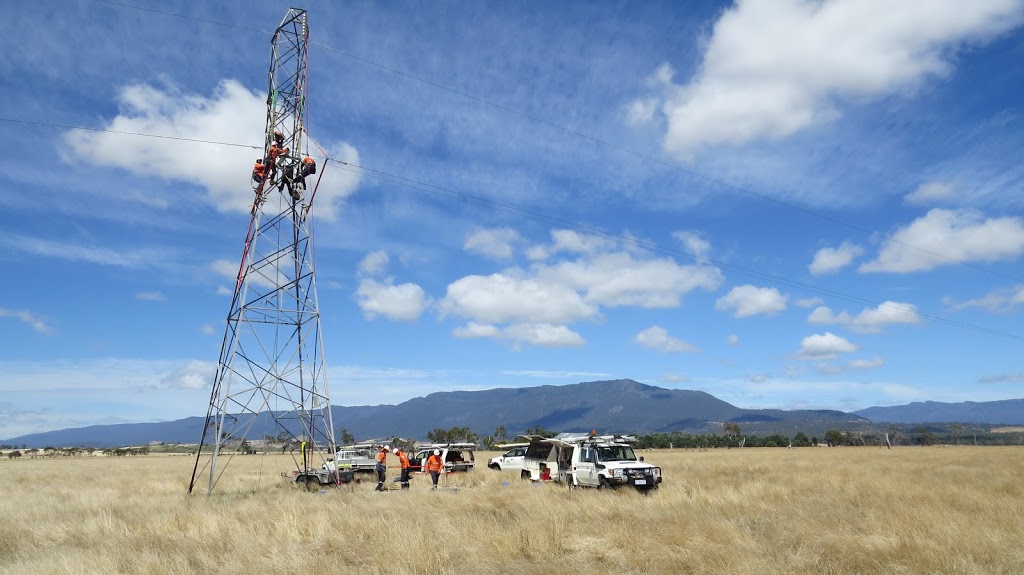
588	230
710	179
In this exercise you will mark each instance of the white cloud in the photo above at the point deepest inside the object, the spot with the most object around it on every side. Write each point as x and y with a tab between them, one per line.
694	243
78	251
233	114
866	363
656	337
536	334
150	296
403	302
192	375
374	263
869	320
543	335
207	329
748	300
733	340
824	346
30	319
930	193
828	260
998	301
771	69
809	302
619	279
944	237
500	298
493	243
476	330
757	377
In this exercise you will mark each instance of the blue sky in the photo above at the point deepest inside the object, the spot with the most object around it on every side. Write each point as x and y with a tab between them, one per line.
789	204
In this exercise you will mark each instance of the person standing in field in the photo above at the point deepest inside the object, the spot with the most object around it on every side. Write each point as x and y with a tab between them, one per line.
382	467
403	459
434	466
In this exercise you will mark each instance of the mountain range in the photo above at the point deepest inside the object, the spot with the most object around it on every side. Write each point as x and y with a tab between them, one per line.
618	406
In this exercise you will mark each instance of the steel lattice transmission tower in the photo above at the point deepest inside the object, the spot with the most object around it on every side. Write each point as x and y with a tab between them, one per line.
270	377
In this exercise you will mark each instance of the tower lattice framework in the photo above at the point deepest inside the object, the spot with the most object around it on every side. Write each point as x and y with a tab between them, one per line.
271	380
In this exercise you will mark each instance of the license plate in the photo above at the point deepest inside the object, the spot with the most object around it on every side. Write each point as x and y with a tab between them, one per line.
640	482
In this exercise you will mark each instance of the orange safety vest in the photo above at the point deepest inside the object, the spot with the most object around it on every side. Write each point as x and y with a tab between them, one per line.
259	169
434	463
276	151
403	459
382	457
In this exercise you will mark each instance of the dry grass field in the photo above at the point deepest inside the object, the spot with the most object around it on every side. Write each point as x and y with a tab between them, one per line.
752	511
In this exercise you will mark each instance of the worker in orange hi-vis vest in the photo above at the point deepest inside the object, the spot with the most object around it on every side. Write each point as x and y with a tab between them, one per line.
259	171
382	467
403	459
434	466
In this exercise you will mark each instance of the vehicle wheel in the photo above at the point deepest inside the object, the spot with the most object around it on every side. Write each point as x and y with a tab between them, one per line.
496	467
602	483
312	484
525	475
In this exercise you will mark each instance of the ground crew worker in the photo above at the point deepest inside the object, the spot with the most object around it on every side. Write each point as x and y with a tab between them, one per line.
259	171
403	459
434	466
382	467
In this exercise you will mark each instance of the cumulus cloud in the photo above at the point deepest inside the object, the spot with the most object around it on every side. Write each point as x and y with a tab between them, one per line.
869	320
500	298
404	302
232	114
945	237
829	260
493	243
824	346
620	279
733	340
374	263
809	302
748	300
693	243
657	337
30	319
771	69
535	334
590	275
930	193
999	301
866	363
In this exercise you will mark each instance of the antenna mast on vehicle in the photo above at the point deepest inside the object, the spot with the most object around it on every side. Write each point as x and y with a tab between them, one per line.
270	378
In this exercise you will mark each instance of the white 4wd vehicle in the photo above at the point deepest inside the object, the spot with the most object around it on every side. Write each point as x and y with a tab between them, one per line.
457	457
354	458
512	459
584	460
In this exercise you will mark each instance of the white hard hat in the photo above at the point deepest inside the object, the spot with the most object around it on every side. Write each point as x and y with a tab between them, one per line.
437	452
387	448
394	450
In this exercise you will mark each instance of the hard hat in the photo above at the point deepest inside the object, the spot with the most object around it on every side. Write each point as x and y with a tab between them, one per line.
437	452
387	448
394	450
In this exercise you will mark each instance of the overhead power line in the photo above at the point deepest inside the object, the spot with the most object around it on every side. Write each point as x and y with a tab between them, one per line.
582	228
677	167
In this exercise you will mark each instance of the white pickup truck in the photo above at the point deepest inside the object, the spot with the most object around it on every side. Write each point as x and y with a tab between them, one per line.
588	460
354	458
511	459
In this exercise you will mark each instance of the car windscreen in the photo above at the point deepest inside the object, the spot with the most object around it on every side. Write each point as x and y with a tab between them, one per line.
616	453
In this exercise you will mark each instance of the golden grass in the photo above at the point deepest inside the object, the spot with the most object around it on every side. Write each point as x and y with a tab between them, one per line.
750	511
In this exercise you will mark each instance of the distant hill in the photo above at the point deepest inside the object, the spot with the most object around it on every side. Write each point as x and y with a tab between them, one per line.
1007	411
619	406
